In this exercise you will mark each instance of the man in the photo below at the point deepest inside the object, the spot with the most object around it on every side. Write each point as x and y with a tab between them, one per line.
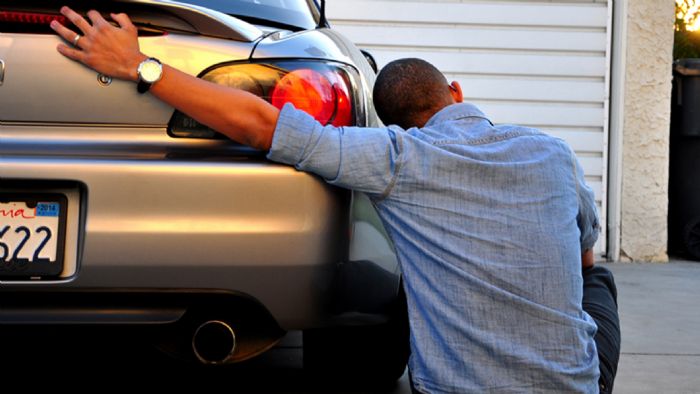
491	224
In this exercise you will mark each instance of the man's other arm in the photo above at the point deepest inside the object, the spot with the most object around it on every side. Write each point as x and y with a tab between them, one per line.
587	258
587	218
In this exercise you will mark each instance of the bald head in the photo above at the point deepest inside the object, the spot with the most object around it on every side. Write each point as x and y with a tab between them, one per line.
408	92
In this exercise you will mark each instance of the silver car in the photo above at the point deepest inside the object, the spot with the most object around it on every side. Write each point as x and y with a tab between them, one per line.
115	209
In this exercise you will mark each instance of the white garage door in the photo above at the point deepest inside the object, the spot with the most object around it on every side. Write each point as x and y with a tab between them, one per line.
540	64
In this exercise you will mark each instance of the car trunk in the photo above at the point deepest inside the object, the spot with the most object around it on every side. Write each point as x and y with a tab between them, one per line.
39	85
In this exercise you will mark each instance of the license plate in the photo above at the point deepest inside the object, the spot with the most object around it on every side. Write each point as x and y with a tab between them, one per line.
32	234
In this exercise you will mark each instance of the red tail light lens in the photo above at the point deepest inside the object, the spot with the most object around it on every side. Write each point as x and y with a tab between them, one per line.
313	93
323	90
30	22
34	18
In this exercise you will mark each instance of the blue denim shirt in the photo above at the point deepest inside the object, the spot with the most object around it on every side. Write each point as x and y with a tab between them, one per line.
488	223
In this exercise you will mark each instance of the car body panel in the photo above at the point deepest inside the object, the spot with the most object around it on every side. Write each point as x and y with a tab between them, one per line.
206	21
42	86
157	213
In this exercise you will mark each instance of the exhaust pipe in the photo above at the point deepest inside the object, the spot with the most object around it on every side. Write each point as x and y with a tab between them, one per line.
214	342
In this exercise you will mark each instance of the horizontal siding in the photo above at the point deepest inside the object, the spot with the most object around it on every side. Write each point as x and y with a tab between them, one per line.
591	166
586	15
529	89
596	186
497	63
537	63
580	140
531	114
471	37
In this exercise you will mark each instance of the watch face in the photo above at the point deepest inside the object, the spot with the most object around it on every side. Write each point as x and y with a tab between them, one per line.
150	71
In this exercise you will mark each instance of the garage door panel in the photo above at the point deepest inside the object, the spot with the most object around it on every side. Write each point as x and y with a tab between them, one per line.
592	166
529	89
542	114
597	187
476	38
581	141
501	63
586	15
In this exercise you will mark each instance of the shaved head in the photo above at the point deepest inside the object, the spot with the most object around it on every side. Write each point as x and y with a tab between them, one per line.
408	92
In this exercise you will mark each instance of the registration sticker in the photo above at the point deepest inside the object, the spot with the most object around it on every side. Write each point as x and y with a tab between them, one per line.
50	209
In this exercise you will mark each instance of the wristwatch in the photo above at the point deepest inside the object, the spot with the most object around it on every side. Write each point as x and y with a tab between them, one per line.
150	71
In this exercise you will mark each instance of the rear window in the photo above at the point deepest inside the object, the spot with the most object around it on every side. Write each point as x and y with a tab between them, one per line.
299	14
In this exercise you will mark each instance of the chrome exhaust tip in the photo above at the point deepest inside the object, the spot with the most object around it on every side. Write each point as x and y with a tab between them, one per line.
214	342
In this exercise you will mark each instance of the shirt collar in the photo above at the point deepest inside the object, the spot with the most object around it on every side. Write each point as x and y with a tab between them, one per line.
455	112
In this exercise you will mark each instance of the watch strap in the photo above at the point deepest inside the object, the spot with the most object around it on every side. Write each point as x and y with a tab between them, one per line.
143	86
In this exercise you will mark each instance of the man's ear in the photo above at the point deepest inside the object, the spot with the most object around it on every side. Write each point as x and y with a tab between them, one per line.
456	92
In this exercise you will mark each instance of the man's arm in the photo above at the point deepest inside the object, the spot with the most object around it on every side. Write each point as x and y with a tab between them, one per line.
114	51
367	159
587	218
587	259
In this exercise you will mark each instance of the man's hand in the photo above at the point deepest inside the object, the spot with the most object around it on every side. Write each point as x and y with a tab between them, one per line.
108	49
114	51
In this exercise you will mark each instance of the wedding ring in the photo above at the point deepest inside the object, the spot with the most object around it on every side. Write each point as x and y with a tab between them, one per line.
75	40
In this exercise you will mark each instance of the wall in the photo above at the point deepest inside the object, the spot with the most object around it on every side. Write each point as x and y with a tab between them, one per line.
645	152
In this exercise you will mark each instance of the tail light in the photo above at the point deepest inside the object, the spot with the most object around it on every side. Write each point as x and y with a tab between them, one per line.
323	90
38	22
29	22
36	18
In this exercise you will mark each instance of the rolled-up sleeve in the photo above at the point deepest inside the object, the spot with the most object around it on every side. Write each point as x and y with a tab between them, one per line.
587	219
364	159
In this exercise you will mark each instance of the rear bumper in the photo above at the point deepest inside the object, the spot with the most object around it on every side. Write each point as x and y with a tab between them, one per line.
168	319
240	225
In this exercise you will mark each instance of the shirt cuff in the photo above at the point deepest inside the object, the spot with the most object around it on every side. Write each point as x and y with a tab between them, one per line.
591	237
292	134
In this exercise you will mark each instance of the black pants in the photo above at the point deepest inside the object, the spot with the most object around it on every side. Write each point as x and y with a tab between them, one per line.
600	301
